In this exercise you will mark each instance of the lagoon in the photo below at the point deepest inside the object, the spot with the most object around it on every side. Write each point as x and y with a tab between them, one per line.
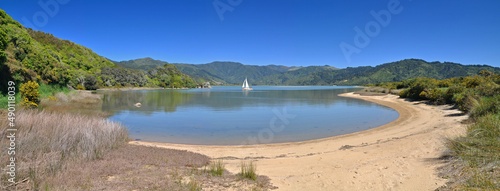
229	116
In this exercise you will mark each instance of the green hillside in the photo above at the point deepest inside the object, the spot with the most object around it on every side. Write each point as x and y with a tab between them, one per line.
143	64
146	64
232	72
28	55
235	73
391	72
200	75
291	76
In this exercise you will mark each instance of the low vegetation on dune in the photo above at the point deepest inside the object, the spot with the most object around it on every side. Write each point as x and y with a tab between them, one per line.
474	159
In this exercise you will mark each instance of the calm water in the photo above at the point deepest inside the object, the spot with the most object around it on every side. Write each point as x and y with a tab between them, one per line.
230	116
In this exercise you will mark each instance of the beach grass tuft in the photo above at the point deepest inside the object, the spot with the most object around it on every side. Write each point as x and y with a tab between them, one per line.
193	185
217	168
478	153
484	106
248	170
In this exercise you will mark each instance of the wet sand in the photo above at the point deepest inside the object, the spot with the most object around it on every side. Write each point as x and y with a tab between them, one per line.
401	155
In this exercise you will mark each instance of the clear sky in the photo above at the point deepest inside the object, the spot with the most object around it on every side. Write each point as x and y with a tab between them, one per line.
341	33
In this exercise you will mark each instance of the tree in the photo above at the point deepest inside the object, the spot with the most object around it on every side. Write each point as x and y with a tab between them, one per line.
90	82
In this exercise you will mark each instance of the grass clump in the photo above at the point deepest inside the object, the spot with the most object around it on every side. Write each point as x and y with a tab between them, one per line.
216	168
479	153
193	185
4	100
485	106
248	171
51	90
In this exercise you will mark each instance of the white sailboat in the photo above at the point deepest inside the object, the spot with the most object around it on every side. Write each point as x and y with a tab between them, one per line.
245	85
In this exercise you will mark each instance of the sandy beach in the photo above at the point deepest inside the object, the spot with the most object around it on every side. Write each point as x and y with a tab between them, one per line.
401	155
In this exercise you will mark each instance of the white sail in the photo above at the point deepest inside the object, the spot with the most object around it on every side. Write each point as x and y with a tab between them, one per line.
245	85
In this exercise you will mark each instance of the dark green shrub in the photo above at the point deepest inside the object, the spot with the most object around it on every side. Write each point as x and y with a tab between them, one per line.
488	89
496	78
450	92
472	82
91	82
437	96
405	83
418	88
466	99
444	83
403	93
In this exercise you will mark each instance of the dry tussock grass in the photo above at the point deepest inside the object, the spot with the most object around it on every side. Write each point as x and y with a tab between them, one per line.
45	141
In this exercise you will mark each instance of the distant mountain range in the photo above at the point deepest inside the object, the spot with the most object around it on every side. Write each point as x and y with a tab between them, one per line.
235	73
390	72
229	72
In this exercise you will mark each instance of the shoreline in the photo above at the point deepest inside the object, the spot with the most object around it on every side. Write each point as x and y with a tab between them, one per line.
399	155
138	88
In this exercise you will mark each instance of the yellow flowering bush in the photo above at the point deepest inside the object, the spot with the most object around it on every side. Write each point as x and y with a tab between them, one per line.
80	87
30	94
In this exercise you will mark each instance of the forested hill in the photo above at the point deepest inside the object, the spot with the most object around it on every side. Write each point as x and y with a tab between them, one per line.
231	72
143	64
391	72
28	55
235	72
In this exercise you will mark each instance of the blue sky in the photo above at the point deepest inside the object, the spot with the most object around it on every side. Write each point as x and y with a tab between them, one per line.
283	32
